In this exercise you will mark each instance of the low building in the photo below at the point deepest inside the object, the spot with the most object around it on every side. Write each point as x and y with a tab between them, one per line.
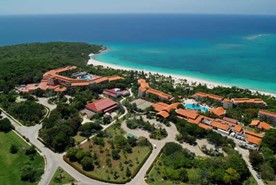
104	105
225	129
200	95
249	102
163	110
231	120
227	103
220	111
268	115
260	125
114	93
253	138
146	89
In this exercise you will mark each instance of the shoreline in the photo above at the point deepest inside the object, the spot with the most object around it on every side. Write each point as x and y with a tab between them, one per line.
190	80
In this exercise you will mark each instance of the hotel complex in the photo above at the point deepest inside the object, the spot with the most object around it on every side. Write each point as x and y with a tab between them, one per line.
53	80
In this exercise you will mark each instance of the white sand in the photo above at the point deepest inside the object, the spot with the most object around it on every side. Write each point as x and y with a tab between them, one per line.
190	80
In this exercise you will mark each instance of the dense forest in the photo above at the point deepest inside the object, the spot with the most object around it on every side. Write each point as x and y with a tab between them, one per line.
26	63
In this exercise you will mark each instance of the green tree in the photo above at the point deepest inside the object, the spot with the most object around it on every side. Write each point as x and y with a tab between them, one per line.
5	125
71	154
87	164
256	158
13	149
128	172
115	155
231	176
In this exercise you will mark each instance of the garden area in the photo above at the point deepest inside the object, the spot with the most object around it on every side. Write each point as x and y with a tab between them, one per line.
155	133
176	165
110	156
20	163
61	177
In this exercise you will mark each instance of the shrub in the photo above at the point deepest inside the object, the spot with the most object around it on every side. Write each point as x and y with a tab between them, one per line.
13	149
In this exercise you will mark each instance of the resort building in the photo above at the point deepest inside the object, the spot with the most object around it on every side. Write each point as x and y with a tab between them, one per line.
227	103
163	110
249	102
53	80
222	128
201	95
189	115
253	138
104	105
146	89
116	92
268	115
220	111
260	125
231	120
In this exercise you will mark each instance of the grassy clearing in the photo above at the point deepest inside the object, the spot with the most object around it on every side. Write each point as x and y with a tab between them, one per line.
61	177
11	164
78	138
106	168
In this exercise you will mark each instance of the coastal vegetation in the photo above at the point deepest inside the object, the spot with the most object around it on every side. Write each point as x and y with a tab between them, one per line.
176	165
20	163
110	156
26	63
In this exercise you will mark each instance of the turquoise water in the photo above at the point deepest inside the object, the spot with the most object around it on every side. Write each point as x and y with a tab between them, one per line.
248	61
228	49
196	107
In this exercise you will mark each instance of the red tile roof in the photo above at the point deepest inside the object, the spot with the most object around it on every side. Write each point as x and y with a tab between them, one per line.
103	104
253	134
159	106
164	114
238	128
254	140
247	100
187	113
268	113
207	127
219	125
231	120
211	96
218	111
264	126
254	123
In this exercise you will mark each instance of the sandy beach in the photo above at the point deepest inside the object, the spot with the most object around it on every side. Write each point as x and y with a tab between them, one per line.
190	80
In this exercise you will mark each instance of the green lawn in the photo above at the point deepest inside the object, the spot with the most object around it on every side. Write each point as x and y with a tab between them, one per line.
11	164
78	138
61	177
107	169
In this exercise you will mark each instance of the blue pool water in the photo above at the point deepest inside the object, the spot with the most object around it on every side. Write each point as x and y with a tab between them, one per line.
196	107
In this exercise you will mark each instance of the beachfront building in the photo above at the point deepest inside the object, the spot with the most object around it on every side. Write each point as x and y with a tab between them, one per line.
261	125
53	80
104	105
146	89
268	115
227	103
201	95
246	102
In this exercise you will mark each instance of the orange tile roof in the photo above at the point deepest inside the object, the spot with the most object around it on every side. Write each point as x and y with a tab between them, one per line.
225	122
187	113
230	120
218	111
114	78
254	123
268	113
254	140
164	114
211	96
238	128
227	100
247	100
220	125
207	127
172	106
195	121
264	126
253	134
75	84
159	106
100	79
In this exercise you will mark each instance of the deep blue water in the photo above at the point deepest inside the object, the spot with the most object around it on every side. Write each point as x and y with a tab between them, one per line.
234	50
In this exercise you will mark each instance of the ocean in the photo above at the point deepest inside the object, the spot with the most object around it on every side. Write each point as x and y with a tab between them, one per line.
238	50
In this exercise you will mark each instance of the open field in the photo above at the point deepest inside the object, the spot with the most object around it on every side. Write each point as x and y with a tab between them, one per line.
11	164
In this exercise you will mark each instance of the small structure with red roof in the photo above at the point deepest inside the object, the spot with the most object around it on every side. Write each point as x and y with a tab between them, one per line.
260	125
105	105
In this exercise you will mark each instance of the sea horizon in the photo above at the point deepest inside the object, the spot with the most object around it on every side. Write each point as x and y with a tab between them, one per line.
235	50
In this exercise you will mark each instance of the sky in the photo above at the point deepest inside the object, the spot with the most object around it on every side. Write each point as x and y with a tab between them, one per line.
19	7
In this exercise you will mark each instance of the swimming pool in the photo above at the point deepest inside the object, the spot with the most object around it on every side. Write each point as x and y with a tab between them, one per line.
196	107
